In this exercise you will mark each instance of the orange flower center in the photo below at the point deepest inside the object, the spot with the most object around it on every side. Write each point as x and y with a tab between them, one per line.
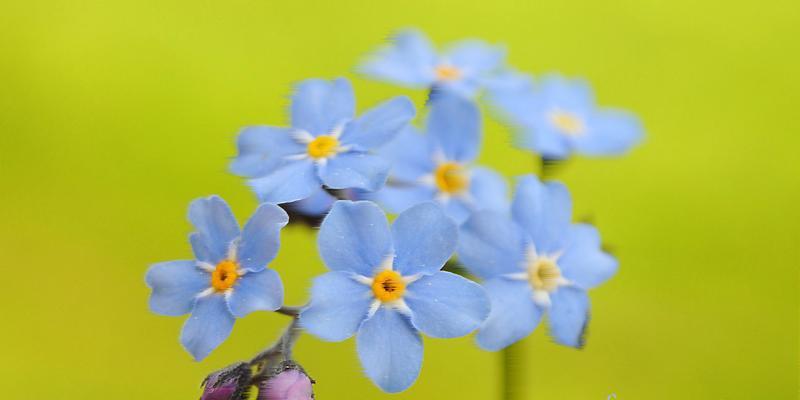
451	178
388	286
446	72
323	146
225	275
543	274
568	123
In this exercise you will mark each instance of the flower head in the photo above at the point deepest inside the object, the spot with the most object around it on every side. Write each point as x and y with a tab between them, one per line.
411	60
386	286
229	277
557	117
289	382
439	165
325	145
534	263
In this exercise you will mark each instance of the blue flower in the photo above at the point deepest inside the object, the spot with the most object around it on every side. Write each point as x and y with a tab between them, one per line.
386	286
411	60
229	277
557	117
437	166
325	144
534	263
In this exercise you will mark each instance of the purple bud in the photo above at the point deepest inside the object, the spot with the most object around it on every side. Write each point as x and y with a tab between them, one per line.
231	383
289	382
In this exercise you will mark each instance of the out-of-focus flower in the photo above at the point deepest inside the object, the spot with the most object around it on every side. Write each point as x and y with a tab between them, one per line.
231	383
533	263
438	165
386	285
324	145
556	117
289	382
229	277
411	60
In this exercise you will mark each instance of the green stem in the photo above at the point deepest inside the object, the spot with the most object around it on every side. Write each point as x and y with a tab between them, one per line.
513	371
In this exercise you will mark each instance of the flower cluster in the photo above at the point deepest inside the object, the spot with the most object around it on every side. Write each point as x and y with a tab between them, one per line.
386	284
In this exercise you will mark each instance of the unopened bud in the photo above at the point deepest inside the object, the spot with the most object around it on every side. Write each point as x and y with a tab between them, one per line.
231	383
288	382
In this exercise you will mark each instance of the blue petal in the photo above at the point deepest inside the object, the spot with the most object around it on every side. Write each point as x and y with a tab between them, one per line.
216	228
583	261
445	305
610	132
262	149
488	190
397	199
355	170
410	154
338	306
573	95
175	285
547	141
544	211
408	60
210	324
261	237
454	124
511	94
256	291
293	181
513	316
424	239
475	56
354	237
390	350
490	244
568	316
458	208
380	124
318	203
318	106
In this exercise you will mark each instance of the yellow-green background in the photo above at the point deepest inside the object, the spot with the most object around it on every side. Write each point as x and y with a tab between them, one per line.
115	114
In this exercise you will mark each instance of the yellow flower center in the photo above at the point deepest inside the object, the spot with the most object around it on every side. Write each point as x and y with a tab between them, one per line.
543	274
451	178
568	123
388	286
225	275
446	72
323	146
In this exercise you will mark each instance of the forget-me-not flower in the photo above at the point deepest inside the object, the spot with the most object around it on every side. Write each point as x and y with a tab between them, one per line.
537	262
438	165
229	277
411	60
557	117
325	145
386	286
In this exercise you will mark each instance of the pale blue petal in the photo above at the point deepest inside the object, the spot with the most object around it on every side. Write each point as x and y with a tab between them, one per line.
293	181
210	324
445	305
511	95
318	105
216	228
256	291
513	317
354	237
454	126
488	189
610	132
261	237
583	261
572	95
338	306
380	124
175	285
569	315
318	203
390	350
547	141
475	57
459	209
262	149
355	170
397	199
424	239
410	154
408	60
490	244
544	211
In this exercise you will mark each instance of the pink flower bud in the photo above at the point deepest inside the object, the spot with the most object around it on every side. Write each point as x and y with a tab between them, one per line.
232	383
291	383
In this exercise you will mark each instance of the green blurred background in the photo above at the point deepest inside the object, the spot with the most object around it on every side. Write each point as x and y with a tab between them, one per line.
115	114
